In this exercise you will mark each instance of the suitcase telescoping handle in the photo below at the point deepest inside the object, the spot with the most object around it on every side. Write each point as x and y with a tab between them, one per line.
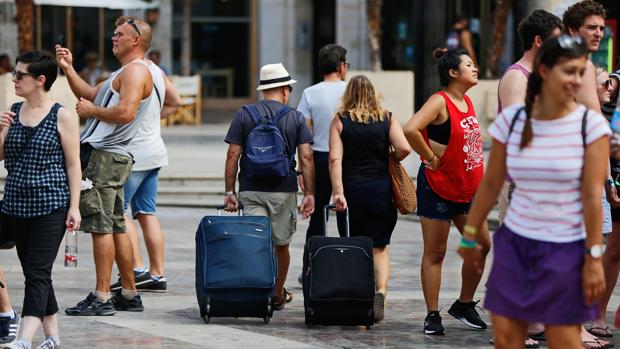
326	218
221	207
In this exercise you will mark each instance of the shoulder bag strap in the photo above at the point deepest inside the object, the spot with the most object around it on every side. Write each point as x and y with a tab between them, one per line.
584	121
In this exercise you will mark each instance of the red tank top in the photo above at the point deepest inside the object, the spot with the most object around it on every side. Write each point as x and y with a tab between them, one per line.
461	170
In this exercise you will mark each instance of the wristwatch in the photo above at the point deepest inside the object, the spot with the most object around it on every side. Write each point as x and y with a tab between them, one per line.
596	251
229	193
609	182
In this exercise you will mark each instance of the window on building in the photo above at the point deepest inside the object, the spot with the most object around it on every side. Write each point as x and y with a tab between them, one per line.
220	47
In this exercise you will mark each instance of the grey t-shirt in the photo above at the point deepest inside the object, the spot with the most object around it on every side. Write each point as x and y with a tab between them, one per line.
319	103
294	131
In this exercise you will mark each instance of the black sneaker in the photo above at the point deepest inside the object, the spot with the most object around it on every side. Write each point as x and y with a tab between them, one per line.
124	304
92	306
158	284
9	328
140	278
432	324
466	312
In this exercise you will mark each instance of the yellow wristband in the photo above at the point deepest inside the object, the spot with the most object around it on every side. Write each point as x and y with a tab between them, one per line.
468	229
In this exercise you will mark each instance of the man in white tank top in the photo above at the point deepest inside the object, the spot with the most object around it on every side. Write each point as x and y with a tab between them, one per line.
150	155
113	111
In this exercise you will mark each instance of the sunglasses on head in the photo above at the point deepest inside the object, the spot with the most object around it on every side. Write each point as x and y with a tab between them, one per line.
132	22
568	42
18	75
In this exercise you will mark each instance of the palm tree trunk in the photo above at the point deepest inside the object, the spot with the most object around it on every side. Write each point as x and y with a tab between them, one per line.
25	24
373	8
500	20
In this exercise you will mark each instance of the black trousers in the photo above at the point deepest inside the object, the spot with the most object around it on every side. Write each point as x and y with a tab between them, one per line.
37	241
322	194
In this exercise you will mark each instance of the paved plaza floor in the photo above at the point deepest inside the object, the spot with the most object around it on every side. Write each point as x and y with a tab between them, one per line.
171	320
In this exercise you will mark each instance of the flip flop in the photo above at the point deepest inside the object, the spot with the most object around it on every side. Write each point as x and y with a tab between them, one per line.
599	331
531	343
594	345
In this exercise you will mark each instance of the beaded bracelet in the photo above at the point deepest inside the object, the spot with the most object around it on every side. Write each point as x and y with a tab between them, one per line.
468	243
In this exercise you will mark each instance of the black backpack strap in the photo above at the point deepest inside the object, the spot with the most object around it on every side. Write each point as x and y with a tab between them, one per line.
584	122
514	121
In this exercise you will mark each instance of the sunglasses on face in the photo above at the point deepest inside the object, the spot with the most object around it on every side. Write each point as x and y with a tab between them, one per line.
132	23
606	83
347	64
568	42
18	75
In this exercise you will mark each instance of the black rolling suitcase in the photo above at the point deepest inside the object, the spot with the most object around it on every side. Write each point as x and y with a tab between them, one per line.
235	267
338	279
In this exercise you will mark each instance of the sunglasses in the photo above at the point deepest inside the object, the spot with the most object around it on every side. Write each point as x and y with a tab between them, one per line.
568	42
347	64
606	83
18	75
132	22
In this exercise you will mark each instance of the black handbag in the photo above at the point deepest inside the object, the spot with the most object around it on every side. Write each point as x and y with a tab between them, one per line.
85	151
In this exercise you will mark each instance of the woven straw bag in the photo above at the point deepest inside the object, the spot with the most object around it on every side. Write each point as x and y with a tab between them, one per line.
402	187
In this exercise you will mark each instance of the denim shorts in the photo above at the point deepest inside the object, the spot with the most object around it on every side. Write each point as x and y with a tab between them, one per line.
141	192
431	205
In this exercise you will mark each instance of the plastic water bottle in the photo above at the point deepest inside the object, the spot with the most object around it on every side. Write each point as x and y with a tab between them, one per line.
71	249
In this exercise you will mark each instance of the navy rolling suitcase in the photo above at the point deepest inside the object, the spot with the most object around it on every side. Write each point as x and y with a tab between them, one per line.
338	279
235	266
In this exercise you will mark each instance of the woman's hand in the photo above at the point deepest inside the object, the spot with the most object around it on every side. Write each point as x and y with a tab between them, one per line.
472	256
593	280
340	202
433	164
6	119
73	219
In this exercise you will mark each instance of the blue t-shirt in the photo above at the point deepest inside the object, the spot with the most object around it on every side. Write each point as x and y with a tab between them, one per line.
319	103
294	131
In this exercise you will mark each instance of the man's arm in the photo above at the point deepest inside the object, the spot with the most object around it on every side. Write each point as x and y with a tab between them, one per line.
172	100
230	175
79	87
307	171
466	41
587	92
134	83
512	88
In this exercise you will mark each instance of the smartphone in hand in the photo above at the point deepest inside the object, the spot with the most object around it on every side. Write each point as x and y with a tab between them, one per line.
60	41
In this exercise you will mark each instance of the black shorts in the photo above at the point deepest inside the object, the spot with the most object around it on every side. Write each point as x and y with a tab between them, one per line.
431	205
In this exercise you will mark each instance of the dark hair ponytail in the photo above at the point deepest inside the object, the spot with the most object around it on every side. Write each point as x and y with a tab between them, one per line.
534	85
550	52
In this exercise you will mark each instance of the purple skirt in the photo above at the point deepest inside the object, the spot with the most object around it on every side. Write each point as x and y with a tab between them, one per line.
537	281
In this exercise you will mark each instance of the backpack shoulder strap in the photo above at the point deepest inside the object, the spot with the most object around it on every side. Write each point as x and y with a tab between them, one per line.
281	113
253	112
584	122
514	120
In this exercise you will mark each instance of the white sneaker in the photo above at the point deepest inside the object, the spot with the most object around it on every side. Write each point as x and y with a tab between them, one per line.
48	343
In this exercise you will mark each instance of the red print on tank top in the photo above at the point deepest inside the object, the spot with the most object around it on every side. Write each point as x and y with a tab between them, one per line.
461	170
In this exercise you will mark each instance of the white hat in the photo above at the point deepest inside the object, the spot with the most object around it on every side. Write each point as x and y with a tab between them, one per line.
274	75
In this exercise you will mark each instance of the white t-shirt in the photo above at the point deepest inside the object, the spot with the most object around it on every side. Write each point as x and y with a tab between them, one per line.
147	147
319	103
546	203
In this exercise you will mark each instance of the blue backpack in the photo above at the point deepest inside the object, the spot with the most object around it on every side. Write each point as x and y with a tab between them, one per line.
265	146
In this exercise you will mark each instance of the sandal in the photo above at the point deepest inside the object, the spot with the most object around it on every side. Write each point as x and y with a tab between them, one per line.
531	343
288	295
599	331
540	336
593	344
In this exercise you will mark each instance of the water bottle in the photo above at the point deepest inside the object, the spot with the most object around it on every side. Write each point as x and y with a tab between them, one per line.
615	121
71	249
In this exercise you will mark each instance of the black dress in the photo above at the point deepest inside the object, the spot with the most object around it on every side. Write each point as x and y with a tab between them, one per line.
367	186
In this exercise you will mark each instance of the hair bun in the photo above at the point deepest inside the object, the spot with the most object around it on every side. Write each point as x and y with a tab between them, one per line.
439	52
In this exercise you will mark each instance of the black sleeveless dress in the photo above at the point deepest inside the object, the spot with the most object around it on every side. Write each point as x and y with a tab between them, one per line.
366	181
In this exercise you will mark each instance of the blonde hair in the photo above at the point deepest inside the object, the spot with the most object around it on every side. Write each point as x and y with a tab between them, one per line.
361	101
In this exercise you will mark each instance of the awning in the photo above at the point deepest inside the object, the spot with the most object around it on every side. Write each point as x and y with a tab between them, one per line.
111	4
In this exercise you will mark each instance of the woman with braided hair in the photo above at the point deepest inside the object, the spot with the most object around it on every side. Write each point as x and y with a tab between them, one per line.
546	268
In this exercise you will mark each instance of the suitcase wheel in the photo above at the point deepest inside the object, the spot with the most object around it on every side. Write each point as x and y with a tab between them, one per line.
269	310
206	319
266	319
